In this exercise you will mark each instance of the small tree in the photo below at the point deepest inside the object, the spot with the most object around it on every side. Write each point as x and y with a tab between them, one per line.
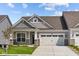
7	32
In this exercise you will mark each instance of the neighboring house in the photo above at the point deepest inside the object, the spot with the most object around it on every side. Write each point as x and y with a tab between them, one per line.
47	30
72	20
4	24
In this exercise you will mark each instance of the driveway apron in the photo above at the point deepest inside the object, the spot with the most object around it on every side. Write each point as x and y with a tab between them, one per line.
53	51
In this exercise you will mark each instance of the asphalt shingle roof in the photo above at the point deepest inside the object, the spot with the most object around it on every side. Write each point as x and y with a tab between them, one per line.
72	18
54	21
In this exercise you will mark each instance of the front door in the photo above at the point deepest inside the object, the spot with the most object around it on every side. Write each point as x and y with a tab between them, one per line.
32	37
21	37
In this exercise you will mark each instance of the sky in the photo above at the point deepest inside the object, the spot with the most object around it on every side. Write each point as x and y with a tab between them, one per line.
16	10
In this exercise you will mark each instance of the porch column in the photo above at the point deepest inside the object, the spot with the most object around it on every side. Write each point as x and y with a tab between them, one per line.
11	38
36	39
35	35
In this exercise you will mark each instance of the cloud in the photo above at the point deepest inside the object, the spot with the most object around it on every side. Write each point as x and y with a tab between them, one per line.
76	9
58	13
52	6
11	5
24	5
48	8
62	4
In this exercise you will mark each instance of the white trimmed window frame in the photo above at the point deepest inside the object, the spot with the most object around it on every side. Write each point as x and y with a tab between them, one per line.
21	36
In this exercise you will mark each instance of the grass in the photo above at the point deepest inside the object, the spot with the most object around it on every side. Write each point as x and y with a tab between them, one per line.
1	50
20	50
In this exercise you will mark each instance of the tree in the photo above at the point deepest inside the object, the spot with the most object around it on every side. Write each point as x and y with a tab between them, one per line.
7	32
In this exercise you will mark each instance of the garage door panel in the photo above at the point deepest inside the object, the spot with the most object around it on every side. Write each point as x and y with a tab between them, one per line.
45	41
58	41
51	40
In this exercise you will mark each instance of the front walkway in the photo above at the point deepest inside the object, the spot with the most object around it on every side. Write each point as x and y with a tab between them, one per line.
53	51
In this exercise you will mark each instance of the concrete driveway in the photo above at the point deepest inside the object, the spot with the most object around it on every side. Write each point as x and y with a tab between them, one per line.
53	51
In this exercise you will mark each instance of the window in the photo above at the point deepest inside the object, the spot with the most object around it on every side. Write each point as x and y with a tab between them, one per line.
43	35
48	35
60	35
20	37
77	34
35	20
54	35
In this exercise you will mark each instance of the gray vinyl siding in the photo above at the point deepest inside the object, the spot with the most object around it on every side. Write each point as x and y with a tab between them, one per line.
22	25
3	26
39	25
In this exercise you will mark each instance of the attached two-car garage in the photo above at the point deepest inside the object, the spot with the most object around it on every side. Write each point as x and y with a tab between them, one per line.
52	39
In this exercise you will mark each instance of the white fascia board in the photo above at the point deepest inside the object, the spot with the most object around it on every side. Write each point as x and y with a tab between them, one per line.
40	19
53	30
20	21
17	22
76	25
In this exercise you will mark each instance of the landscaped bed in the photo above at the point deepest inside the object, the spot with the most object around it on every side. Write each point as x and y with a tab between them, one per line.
18	50
75	48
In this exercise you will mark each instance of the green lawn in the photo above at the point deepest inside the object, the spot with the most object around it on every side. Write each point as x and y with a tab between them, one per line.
20	50
1	50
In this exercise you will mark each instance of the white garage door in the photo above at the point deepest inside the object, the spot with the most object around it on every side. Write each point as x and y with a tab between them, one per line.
49	39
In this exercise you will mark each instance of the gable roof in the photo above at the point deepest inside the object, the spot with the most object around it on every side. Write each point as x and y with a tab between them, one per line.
2	18
54	21
34	15
71	17
18	22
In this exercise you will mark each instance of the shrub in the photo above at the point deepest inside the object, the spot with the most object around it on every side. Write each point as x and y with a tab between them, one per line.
75	47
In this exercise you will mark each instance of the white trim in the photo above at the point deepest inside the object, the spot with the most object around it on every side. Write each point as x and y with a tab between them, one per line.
74	29
76	25
34	20
21	36
40	19
53	30
22	19
17	22
44	21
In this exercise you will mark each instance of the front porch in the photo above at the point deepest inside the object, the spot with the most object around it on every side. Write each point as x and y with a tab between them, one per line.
24	37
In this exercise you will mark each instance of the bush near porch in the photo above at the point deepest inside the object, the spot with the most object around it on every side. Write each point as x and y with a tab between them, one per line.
21	49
